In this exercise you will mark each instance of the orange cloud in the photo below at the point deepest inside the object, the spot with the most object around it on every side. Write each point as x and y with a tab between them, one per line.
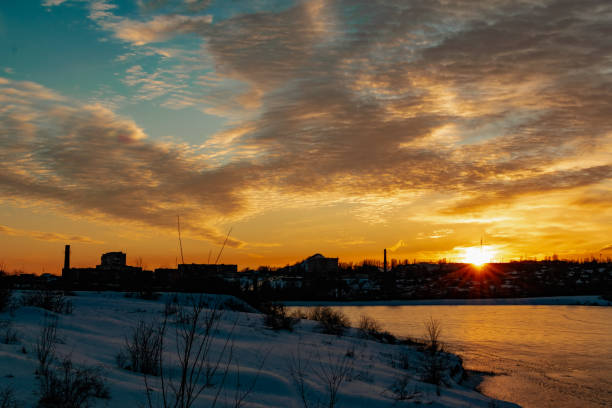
47	236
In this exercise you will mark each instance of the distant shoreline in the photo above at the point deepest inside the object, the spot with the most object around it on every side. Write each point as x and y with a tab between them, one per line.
593	300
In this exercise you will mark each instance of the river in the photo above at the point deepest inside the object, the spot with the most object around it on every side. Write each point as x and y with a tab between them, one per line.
543	356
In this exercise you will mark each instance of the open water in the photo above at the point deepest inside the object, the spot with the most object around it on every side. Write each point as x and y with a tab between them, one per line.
543	356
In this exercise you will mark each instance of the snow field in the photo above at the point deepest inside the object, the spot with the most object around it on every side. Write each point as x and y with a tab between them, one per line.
95	333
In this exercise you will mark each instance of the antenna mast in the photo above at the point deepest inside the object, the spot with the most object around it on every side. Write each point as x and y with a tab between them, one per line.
224	242
178	221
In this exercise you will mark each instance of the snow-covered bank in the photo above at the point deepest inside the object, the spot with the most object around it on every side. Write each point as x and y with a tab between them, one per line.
95	332
535	301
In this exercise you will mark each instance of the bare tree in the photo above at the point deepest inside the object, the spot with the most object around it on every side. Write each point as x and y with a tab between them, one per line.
433	328
433	362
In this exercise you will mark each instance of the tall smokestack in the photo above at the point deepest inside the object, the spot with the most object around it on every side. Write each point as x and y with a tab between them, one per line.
385	252
66	260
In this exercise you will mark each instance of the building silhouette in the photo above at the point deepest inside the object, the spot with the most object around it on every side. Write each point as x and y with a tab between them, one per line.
111	273
114	273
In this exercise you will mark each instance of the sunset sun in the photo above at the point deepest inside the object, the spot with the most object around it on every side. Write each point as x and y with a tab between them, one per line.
477	255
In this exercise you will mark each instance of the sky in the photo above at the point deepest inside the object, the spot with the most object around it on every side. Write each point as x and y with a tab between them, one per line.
333	127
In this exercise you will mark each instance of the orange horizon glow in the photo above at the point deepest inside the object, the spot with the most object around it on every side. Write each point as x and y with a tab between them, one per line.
161	255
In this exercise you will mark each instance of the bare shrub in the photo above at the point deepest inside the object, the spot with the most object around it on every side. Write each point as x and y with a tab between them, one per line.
404	389
7	334
368	325
65	385
71	387
433	328
298	368
241	393
402	360
236	305
277	318
432	369
332	372
330	321
299	314
6	295
6	291
51	300
171	306
7	398
142	350
199	367
144	294
369	328
45	344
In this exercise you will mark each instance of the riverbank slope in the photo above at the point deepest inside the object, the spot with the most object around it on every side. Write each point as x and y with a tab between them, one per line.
93	335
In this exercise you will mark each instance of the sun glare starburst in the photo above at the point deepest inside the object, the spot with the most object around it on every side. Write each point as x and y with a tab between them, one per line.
478	255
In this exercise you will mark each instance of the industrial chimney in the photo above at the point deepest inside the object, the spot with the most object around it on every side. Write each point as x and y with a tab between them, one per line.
385	262
66	261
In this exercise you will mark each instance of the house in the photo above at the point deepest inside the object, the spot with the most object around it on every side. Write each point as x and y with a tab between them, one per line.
319	265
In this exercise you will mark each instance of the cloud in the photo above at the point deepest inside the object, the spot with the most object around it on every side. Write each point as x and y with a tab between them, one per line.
51	3
399	244
608	248
264	245
349	114
47	236
157	29
440	233
502	193
188	5
483	103
93	162
348	242
156	84
598	199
